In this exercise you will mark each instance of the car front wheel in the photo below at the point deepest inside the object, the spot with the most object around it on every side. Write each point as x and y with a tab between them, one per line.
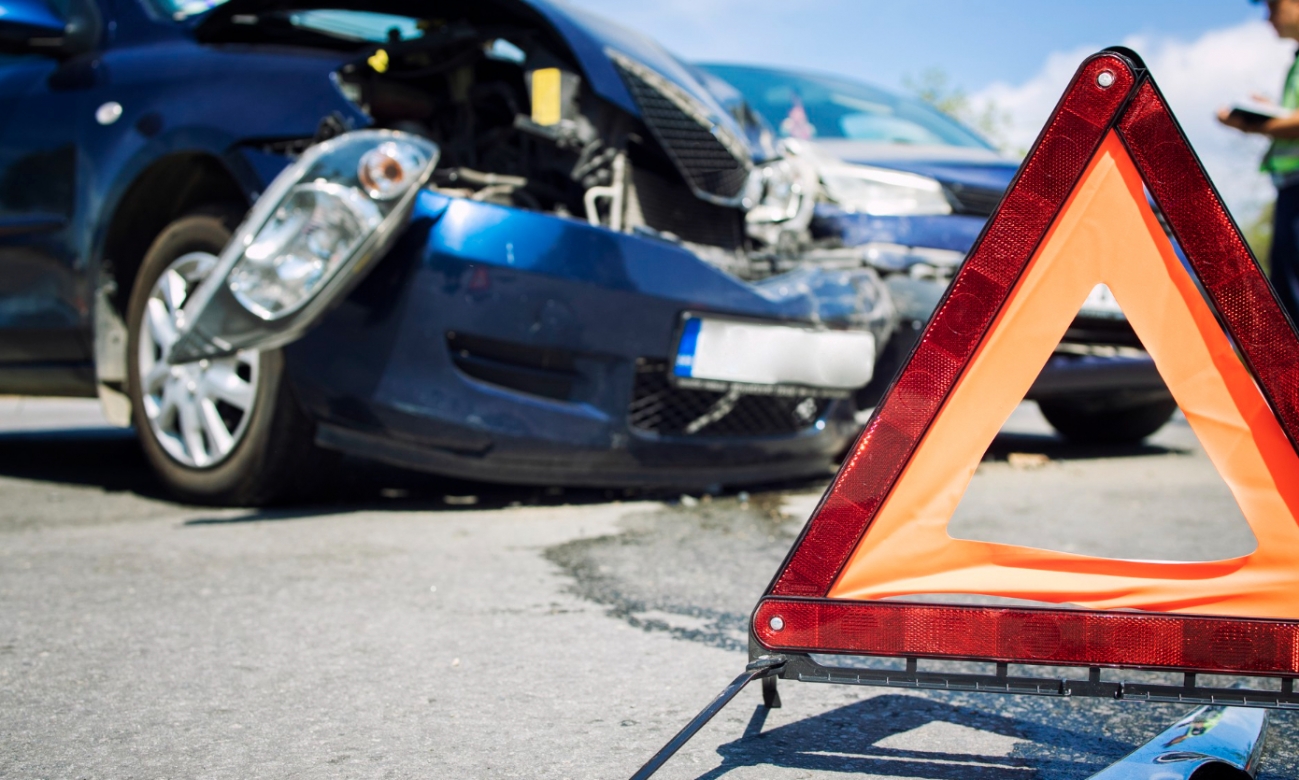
224	430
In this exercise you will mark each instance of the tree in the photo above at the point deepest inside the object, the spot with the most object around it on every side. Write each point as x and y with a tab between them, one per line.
993	122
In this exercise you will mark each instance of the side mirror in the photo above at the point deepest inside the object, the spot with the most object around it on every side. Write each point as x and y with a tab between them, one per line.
30	25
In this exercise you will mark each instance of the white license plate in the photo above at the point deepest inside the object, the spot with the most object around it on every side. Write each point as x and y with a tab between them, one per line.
760	354
1101	303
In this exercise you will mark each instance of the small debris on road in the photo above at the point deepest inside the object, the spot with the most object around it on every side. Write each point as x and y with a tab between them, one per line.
1027	460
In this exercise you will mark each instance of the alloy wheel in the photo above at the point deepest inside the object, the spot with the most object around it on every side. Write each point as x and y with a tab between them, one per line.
197	411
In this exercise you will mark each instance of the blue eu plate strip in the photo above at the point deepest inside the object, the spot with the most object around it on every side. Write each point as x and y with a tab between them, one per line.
686	352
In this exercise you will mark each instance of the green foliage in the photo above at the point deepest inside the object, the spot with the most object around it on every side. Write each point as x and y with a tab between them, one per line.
1258	233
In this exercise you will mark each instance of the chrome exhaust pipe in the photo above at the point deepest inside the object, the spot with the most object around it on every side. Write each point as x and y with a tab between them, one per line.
1226	739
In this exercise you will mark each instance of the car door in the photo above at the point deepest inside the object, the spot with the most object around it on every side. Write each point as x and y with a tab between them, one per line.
45	339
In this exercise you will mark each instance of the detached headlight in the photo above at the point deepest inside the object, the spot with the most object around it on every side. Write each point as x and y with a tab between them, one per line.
312	233
340	199
306	242
882	192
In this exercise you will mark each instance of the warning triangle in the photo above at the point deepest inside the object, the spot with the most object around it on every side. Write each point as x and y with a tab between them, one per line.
1077	215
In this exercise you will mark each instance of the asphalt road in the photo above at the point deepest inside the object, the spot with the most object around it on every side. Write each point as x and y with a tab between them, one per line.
412	628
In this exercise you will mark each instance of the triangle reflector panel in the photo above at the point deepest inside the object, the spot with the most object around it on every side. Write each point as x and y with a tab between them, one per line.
1078	214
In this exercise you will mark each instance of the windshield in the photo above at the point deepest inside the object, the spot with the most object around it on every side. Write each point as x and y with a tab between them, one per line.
345	24
805	106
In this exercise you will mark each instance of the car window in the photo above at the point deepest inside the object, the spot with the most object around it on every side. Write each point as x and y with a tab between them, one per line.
359	25
805	106
183	9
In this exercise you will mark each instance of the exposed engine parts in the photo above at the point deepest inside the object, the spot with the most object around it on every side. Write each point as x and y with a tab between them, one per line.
518	126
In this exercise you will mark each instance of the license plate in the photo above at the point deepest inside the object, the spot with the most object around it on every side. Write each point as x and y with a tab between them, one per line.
1101	303
766	355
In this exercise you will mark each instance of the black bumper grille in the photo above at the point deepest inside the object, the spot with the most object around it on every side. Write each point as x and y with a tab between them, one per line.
543	371
659	407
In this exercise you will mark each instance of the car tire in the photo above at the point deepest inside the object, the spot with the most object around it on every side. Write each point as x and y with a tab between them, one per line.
225	431
1092	421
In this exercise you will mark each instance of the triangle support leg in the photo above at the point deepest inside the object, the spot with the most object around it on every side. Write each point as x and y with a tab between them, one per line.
764	668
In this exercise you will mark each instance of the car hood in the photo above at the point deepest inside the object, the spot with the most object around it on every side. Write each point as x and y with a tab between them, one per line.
589	37
971	167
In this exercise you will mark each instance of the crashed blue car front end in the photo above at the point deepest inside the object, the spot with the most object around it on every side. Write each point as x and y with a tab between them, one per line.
497	240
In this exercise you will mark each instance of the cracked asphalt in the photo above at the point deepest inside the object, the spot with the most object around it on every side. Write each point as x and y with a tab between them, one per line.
415	628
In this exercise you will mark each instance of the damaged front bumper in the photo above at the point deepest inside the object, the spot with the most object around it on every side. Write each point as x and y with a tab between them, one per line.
505	345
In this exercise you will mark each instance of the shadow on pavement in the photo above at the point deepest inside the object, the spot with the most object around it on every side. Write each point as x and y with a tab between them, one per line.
1056	448
369	487
844	740
111	459
108	458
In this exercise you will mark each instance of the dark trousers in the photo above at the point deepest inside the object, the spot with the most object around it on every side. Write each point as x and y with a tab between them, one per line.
1285	250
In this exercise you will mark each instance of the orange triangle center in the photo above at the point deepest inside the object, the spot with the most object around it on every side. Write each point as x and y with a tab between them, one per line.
1106	233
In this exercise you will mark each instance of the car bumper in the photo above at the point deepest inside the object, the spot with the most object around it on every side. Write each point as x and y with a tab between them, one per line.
505	345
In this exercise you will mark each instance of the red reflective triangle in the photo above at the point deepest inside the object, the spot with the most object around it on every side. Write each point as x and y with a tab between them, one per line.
1075	215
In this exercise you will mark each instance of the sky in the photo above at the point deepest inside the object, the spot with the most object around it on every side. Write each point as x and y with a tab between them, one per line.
1016	55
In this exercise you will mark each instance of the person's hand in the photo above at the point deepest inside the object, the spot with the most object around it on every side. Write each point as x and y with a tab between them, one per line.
1238	122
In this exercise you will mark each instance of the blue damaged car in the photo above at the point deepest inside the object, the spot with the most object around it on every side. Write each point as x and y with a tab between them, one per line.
910	189
491	239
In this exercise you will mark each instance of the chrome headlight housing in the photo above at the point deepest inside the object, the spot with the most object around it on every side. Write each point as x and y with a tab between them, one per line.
882	192
306	242
316	228
781	197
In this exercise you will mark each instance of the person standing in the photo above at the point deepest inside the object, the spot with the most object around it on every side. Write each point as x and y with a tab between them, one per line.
1282	163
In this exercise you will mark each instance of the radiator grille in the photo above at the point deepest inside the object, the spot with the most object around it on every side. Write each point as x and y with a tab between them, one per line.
710	159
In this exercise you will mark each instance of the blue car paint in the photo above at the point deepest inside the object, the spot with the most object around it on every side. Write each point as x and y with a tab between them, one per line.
377	373
953	232
156	72
33	17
